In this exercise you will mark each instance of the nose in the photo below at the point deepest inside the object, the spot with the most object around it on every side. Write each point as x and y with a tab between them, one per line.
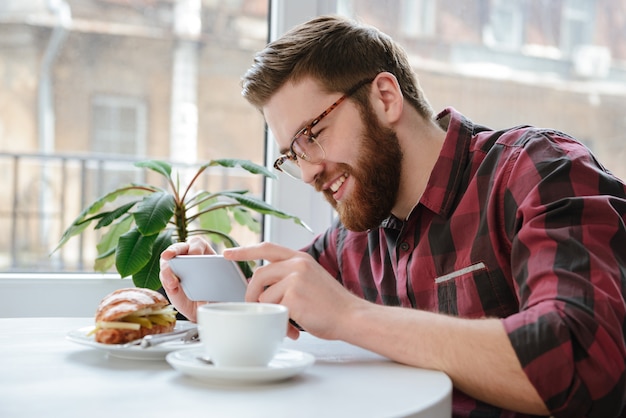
310	171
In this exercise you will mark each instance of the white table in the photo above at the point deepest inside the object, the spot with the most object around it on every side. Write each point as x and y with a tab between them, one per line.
44	375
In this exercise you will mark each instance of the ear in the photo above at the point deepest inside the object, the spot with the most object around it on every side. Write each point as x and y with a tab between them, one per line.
387	97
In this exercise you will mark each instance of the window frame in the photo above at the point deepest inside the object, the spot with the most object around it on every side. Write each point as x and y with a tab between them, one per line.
291	195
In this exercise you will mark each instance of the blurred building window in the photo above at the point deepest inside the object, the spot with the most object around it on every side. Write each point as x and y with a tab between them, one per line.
577	24
417	18
505	28
119	126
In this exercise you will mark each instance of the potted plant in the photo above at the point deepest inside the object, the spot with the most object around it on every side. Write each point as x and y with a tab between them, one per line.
139	221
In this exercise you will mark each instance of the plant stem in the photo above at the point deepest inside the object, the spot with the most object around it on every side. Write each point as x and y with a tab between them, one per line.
180	217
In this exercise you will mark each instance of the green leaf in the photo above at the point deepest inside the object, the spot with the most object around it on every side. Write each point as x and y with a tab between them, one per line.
203	196
148	276
216	220
154	212
133	252
245	218
245	164
109	240
246	268
105	261
74	229
160	167
213	216
80	223
130	189
114	214
260	206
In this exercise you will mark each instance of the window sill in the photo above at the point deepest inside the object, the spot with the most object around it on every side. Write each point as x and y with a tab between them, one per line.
30	295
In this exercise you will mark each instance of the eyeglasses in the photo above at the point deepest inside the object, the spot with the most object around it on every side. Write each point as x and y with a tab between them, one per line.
304	146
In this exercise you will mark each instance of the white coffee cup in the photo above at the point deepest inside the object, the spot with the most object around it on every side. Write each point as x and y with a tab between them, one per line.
242	334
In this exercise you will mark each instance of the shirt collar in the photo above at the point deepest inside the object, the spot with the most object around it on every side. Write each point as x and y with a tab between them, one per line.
447	174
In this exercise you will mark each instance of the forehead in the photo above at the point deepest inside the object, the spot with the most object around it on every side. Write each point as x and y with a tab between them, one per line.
293	106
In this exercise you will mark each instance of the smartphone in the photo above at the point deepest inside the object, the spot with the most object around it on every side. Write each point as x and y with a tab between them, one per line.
210	278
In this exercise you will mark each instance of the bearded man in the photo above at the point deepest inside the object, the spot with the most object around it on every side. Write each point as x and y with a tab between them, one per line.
496	257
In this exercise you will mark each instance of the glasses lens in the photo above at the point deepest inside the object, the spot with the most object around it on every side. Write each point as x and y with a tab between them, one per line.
290	168
306	148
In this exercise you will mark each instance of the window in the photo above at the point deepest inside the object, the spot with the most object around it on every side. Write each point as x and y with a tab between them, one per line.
505	28
119	130
161	79
417	18
498	62
119	126
577	24
119	81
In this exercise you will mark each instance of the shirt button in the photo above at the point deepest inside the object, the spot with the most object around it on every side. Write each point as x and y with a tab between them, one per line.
404	246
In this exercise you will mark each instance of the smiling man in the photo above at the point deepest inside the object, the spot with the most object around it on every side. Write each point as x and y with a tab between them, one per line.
496	257
362	183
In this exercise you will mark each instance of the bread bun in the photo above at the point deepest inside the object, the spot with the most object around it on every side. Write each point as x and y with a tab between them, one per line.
132	313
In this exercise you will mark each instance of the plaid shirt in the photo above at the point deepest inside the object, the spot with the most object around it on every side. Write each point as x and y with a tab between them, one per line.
524	225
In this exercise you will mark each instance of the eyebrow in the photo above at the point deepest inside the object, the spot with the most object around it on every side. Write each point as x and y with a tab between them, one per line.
310	121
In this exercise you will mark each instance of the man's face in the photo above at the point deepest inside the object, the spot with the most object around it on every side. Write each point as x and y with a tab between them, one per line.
360	173
376	176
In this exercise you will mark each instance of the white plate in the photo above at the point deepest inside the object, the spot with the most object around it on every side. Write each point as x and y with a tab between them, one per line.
158	352
286	364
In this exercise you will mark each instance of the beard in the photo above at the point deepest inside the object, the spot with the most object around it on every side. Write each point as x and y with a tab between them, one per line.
376	177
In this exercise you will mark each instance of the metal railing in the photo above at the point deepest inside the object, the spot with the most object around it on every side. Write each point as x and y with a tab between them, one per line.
41	195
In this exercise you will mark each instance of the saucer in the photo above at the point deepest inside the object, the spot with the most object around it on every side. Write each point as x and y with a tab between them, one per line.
285	364
135	352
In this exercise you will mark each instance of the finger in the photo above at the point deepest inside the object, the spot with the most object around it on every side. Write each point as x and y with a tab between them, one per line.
265	278
293	332
263	251
274	294
198	246
174	250
195	245
167	277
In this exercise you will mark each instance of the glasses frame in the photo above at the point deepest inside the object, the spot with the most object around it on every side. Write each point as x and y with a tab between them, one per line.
294	157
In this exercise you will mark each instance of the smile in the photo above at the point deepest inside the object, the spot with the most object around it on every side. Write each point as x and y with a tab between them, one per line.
337	184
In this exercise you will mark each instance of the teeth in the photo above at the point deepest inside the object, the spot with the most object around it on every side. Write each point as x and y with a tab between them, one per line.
336	185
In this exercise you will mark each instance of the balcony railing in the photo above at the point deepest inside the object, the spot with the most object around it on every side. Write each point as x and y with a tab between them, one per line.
41	194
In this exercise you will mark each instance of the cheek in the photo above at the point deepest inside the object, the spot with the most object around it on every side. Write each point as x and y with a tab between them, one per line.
342	139
338	149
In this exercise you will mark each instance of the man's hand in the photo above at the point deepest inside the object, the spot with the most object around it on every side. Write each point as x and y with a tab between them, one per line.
170	282
316	301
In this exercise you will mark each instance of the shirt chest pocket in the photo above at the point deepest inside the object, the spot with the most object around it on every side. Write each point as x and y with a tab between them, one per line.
474	292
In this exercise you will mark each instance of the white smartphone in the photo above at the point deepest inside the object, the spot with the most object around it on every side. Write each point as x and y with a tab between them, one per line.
210	278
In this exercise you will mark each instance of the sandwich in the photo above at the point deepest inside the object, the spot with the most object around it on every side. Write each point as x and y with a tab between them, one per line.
132	313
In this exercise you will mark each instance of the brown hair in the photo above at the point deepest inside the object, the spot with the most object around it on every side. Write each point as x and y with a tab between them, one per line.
338	53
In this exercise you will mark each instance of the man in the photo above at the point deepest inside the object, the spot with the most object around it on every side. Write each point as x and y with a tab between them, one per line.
496	257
